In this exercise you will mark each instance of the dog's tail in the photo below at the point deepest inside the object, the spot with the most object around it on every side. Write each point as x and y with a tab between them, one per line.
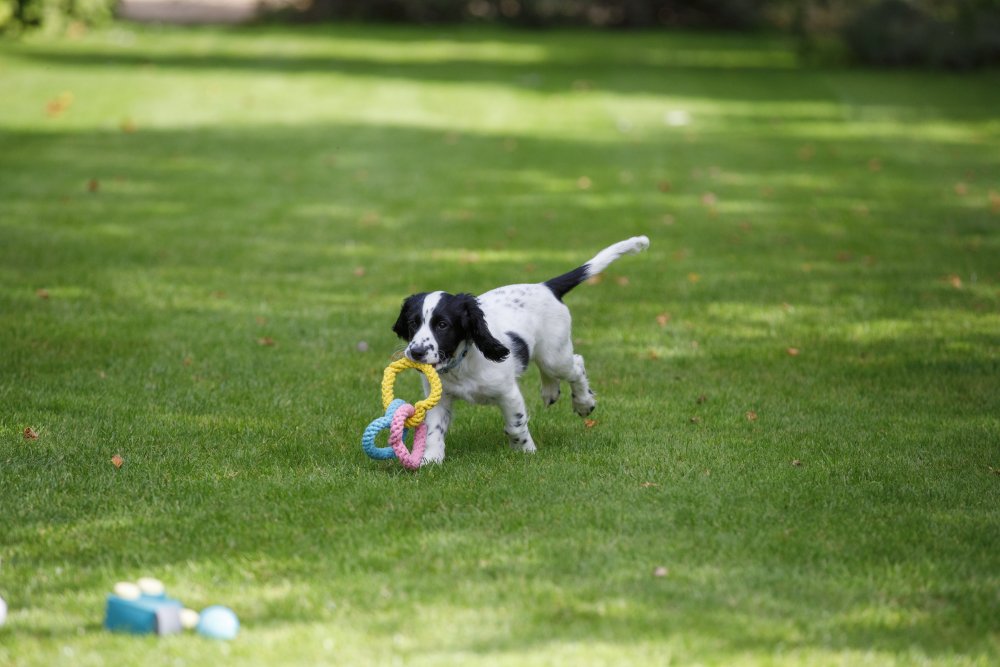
560	285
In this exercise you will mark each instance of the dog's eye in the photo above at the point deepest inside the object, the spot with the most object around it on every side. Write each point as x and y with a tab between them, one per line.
442	325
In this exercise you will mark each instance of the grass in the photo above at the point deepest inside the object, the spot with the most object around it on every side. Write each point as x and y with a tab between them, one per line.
173	200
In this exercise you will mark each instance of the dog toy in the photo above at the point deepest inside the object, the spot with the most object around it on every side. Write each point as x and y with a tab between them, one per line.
143	608
399	413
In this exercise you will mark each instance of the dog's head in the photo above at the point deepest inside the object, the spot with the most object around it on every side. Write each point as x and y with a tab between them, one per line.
435	324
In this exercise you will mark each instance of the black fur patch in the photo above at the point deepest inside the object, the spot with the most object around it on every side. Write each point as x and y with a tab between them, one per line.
560	285
520	349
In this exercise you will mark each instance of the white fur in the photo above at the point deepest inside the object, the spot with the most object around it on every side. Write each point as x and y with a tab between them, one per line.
534	313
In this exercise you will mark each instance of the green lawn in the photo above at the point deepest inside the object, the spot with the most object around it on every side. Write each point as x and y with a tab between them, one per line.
173	201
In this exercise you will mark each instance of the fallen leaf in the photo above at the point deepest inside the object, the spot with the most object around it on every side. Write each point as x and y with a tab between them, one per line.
647	485
653	355
30	433
796	463
117	461
596	280
622	281
660	571
955	281
590	423
793	351
751	416
266	341
56	106
93	185
701	399
42	293
662	319
584	183
961	189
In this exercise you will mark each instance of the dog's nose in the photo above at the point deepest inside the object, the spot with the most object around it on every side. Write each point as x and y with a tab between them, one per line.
418	352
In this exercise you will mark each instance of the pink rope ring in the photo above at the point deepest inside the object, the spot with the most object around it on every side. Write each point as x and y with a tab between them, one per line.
408	459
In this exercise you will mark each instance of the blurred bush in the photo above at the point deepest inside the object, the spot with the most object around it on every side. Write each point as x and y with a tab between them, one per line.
53	15
958	34
538	13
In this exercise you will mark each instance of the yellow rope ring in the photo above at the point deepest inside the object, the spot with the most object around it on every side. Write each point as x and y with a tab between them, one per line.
421	407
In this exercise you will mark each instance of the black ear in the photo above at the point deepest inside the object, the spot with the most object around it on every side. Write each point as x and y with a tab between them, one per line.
410	310
474	323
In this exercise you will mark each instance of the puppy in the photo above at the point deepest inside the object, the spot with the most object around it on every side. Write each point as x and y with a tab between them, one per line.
481	346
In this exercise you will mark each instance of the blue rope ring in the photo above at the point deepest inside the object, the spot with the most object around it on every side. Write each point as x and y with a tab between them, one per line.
381	424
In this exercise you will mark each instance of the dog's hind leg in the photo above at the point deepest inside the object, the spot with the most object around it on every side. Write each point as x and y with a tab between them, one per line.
550	389
558	363
515	417
584	401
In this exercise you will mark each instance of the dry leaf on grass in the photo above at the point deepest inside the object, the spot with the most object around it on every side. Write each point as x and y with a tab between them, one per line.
954	281
93	185
42	293
647	485
793	351
662	319
590	423
117	461
30	433
751	416
266	341
796	463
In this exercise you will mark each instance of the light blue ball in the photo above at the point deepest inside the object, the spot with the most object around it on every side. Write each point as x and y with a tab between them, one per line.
219	622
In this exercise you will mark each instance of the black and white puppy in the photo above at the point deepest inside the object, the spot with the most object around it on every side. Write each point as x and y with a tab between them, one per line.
481	346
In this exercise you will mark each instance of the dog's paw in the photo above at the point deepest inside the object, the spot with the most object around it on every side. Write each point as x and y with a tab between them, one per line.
432	459
522	443
550	393
584	405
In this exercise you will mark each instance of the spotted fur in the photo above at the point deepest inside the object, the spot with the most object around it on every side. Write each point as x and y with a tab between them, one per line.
481	346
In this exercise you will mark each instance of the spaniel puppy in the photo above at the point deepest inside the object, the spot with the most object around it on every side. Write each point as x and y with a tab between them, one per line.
481	346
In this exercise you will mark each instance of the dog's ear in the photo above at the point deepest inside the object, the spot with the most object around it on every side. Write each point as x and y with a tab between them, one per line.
474	323
410	310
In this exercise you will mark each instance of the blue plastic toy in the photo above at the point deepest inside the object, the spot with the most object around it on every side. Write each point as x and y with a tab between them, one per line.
147	614
218	622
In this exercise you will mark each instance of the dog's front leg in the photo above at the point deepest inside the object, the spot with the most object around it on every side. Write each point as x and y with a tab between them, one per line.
516	421
438	420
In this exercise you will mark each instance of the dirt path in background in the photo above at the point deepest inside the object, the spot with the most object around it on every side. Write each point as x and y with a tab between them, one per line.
188	11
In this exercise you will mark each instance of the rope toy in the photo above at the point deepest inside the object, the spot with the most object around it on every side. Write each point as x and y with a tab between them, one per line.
399	413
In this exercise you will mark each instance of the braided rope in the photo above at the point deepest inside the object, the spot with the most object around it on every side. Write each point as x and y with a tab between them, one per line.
409	460
420	408
381	424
